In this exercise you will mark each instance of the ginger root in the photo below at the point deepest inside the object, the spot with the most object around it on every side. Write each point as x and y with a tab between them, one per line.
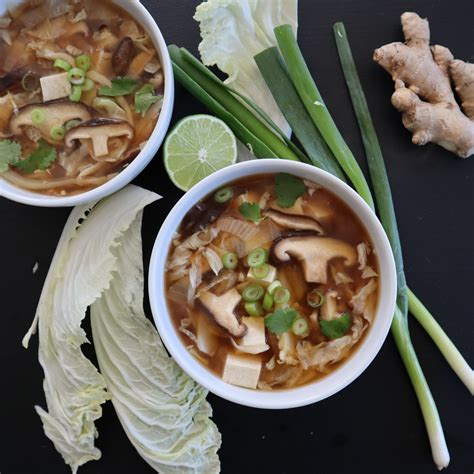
423	91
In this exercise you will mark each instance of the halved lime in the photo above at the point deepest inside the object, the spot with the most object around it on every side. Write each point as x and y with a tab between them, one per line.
196	147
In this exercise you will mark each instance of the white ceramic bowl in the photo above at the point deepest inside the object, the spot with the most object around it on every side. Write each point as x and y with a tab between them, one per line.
319	389
144	18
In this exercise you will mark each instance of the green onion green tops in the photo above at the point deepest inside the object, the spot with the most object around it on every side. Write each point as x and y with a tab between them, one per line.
223	195
253	309
230	260
281	295
252	293
257	257
315	298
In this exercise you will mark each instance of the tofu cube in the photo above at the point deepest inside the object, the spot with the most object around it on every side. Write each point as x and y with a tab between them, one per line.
55	87
255	335
270	278
243	371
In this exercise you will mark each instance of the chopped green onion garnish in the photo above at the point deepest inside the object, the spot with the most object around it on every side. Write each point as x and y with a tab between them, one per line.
76	76
273	286
37	116
223	195
57	133
253	309
76	94
257	257
267	302
88	85
30	82
83	62
252	293
315	298
71	124
261	271
281	295
61	64
300	327
230	260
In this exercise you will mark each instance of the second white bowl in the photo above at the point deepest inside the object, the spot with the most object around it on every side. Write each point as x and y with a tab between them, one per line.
142	16
312	392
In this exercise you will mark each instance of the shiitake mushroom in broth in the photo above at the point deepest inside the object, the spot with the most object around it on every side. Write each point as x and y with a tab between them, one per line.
272	282
81	88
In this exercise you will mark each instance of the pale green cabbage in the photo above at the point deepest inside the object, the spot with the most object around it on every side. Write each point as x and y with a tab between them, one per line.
87	268
233	32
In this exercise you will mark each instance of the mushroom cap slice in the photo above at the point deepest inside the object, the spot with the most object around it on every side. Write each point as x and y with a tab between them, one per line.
222	310
292	221
99	131
314	253
56	114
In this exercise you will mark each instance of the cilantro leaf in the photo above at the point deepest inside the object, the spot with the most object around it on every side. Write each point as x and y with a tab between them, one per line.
10	153
251	211
120	86
281	320
336	328
145	98
288	189
41	159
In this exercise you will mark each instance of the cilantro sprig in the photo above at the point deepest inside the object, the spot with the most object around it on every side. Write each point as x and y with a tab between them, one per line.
335	328
120	86
41	159
251	211
281	320
10	153
288	189
145	98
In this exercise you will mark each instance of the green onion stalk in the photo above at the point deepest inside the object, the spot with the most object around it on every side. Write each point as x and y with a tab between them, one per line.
310	96
386	211
314	103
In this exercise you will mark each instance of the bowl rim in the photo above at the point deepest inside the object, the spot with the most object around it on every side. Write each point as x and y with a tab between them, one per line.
314	391
140	13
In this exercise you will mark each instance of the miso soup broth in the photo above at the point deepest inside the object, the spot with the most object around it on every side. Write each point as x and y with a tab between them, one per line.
81	88
272	282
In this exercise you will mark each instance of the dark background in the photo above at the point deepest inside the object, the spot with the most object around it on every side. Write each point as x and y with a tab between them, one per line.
374	426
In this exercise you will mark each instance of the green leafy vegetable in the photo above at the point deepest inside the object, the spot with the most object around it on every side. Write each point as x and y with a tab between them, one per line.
281	320
335	328
251	211
145	98
233	32
41	159
120	86
153	397
10	153
288	189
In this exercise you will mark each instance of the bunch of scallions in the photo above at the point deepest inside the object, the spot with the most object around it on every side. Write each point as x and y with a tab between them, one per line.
294	90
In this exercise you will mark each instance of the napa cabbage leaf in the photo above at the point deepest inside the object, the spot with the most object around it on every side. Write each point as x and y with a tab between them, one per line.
233	32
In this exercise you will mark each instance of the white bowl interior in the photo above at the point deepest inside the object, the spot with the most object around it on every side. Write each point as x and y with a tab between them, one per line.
314	391
142	16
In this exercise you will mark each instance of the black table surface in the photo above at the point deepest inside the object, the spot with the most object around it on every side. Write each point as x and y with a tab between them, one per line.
373	426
